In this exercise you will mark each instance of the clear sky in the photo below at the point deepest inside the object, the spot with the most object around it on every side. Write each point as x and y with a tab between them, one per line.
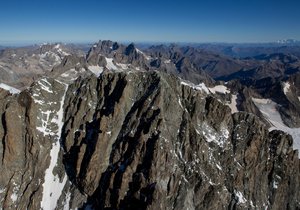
34	21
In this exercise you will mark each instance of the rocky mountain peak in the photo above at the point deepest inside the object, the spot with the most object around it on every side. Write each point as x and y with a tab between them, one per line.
117	140
130	49
123	128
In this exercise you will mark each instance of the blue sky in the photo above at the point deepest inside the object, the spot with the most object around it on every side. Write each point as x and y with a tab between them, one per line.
34	21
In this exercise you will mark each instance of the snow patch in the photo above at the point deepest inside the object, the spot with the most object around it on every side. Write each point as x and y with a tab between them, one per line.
52	187
123	66
45	85
97	70
141	52
12	90
68	73
275	184
14	197
110	65
212	136
240	196
67	201
202	87
219	89
44	126
233	104
286	87
269	109
50	54
72	74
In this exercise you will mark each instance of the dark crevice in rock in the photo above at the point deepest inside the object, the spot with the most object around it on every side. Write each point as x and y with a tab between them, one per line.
110	99
91	138
3	120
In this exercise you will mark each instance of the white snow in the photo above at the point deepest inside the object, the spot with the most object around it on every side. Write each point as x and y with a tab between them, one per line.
44	126
50	54
12	90
72	74
233	104
14	197
57	46
62	52
179	102
286	87
110	65
167	61
52	187
220	89
97	70
202	87
68	73
141	52
269	109
45	85
67	201
241	198
275	184
123	65
211	135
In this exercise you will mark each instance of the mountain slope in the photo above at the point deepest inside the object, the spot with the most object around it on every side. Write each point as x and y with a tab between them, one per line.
19	67
139	140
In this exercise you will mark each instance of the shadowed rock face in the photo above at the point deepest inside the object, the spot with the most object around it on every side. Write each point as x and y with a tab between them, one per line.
140	140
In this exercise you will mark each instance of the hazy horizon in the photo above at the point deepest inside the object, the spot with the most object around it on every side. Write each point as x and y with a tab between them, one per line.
32	43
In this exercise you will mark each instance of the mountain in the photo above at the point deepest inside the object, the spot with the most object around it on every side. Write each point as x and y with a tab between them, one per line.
221	67
20	66
288	41
272	65
137	140
121	128
250	50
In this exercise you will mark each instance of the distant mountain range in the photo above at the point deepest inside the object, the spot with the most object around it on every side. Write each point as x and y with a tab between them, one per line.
288	41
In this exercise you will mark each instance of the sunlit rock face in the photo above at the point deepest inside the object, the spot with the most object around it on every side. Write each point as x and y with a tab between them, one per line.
139	140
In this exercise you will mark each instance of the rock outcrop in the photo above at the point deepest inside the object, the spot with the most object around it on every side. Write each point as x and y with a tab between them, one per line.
139	140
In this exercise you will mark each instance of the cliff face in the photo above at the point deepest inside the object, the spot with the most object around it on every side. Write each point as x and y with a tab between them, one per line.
139	140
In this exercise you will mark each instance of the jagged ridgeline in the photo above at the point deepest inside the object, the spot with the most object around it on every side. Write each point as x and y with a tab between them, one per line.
139	140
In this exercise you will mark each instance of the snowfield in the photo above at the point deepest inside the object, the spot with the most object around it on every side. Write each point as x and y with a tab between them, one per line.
12	90
52	187
269	109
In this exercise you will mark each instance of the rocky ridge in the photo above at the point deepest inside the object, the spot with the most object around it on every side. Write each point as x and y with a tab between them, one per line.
19	67
139	140
116	130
